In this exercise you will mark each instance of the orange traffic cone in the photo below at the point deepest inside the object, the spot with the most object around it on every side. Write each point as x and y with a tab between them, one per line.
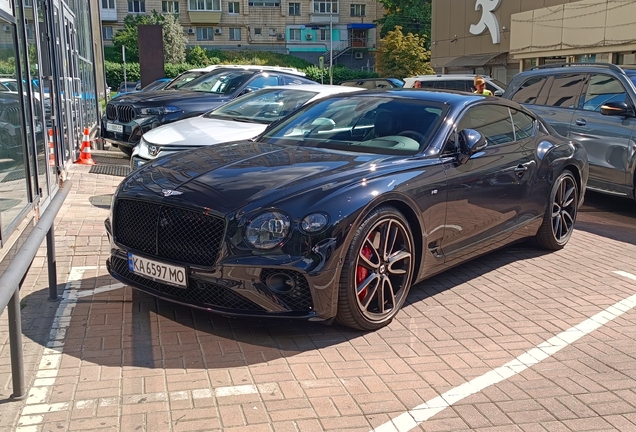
51	149
85	152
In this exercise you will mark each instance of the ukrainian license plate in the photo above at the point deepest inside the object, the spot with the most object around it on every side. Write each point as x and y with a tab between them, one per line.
168	273
112	127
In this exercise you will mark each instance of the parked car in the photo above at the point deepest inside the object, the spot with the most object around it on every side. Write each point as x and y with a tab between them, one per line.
374	83
240	119
336	210
128	117
594	104
455	82
159	84
128	87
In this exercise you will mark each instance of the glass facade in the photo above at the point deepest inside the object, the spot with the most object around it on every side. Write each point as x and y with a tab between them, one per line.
48	95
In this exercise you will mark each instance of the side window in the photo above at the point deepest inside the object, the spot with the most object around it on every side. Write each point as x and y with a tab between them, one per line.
491	87
602	89
287	80
440	84
263	81
455	85
529	91
428	84
492	121
523	124
565	91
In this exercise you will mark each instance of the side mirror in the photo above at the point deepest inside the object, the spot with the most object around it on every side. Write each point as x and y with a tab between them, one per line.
498	93
617	109
470	142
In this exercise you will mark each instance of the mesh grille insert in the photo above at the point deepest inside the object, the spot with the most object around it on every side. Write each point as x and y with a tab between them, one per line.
298	298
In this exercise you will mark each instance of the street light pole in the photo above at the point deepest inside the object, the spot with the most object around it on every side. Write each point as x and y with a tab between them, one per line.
331	45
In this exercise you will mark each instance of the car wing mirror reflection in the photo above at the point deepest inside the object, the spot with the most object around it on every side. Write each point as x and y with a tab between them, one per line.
621	109
470	142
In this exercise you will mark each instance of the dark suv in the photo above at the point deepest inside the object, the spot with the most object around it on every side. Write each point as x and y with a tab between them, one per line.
592	103
129	116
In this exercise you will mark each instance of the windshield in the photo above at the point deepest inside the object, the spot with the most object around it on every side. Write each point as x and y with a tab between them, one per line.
263	106
220	82
182	80
377	124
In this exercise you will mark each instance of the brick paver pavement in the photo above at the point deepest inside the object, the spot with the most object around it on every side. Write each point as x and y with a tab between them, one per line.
109	358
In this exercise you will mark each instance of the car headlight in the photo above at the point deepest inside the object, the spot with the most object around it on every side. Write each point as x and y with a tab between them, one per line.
314	223
268	230
158	110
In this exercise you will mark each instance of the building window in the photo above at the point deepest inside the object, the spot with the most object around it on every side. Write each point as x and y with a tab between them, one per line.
30	31
233	7
265	3
325	6
107	32
108	4
258	31
325	35
358	10
205	33
170	7
136	6
28	3
235	34
294	34
294	9
205	5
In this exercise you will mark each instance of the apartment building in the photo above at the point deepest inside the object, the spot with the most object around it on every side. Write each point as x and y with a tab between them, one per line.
309	29
500	38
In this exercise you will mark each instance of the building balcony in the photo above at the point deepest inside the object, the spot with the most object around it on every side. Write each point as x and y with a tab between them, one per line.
205	17
109	14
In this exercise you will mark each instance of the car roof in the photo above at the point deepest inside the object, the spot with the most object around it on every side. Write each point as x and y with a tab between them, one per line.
447	76
439	96
210	68
560	68
320	88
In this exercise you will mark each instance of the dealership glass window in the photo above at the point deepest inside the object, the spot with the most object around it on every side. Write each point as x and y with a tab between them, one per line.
324	35
294	9
14	192
170	7
136	6
107	32
529	91
205	5
235	34
108	4
600	90
205	33
565	91
358	10
294	34
325	7
233	8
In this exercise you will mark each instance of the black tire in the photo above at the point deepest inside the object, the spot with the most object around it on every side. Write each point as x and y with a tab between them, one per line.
560	215
368	277
128	151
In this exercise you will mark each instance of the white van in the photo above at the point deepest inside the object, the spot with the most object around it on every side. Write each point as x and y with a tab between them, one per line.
455	82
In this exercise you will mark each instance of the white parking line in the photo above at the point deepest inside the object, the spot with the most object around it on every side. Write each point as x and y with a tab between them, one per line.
421	413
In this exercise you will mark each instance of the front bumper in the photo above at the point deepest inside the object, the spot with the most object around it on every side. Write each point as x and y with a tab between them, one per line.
237	288
131	132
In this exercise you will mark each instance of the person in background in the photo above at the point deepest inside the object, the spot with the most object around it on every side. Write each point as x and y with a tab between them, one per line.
480	86
417	84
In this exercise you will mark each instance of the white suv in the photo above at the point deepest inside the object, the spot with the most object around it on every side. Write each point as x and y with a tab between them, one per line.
455	82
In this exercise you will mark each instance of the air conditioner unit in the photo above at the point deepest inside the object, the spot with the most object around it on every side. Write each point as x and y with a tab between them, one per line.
309	36
280	36
359	55
6	28
190	30
218	31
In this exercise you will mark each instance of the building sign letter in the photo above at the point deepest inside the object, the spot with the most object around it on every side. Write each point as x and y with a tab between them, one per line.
488	19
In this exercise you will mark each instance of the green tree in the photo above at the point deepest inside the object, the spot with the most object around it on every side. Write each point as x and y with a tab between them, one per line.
174	42
413	16
402	56
129	36
197	56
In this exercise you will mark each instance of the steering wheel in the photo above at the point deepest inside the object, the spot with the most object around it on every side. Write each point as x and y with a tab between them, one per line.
417	136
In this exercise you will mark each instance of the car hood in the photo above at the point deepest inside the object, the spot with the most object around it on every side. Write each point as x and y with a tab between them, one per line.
167	97
201	131
228	177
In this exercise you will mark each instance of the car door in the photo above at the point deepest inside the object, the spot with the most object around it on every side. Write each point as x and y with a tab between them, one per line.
557	104
608	140
485	194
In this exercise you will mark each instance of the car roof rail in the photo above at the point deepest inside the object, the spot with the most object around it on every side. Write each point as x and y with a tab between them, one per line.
611	66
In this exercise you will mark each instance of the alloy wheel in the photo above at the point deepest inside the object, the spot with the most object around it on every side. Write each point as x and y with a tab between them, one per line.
564	209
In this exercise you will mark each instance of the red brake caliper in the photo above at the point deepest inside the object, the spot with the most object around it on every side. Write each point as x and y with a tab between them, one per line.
363	272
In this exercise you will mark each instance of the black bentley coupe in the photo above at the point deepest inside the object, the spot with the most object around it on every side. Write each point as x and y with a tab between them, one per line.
337	210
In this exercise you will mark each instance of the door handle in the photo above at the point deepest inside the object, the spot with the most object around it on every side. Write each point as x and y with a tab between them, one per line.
520	170
580	122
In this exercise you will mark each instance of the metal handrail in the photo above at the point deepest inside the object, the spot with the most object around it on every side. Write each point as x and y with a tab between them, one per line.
12	278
